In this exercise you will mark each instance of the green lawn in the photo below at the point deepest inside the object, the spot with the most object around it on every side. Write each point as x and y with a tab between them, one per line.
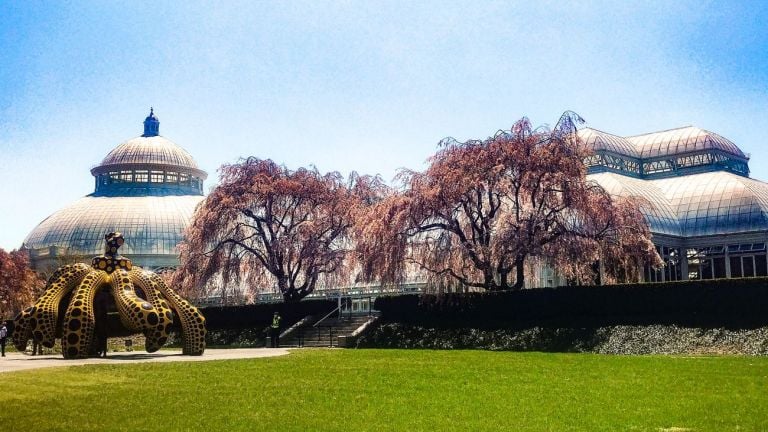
356	390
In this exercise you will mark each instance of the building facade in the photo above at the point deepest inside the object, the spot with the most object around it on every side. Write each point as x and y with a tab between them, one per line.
708	218
147	188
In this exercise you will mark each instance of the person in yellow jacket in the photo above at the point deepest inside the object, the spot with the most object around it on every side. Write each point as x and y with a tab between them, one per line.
274	331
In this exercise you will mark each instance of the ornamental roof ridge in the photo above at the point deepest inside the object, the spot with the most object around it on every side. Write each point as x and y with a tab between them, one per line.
666	130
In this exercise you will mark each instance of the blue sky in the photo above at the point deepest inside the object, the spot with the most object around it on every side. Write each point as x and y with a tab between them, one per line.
365	86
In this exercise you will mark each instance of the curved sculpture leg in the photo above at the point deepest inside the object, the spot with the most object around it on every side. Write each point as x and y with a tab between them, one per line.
191	320
39	321
136	313
157	333
80	320
22	329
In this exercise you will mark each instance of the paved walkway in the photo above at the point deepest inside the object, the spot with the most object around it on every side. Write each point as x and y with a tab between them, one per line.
15	361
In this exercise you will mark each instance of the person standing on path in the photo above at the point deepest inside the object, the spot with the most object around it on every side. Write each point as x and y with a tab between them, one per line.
274	339
3	337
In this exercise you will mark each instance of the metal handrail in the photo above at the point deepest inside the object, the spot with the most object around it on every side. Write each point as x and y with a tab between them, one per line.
330	334
325	317
331	330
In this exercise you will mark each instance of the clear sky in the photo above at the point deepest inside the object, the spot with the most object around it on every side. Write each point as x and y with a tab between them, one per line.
366	86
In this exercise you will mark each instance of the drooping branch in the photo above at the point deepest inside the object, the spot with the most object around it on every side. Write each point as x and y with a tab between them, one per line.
483	208
266	225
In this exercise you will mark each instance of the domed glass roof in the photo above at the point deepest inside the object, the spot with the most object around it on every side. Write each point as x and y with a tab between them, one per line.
674	152
658	212
154	150
706	204
717	203
148	165
147	188
598	140
151	225
682	140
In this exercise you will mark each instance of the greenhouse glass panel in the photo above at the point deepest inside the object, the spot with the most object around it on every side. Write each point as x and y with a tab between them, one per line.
761	266
748	264
719	267
736	267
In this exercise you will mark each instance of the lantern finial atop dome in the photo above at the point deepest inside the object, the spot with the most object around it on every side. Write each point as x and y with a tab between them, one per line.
151	124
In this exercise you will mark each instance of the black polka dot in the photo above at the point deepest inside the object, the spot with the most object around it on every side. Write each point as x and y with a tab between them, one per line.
74	325
152	318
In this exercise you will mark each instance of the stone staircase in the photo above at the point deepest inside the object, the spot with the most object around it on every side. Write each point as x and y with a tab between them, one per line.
324	334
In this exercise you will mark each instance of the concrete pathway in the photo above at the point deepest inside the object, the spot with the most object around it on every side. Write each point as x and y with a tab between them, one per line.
15	361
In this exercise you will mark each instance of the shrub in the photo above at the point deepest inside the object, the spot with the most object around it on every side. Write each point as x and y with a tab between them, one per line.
739	303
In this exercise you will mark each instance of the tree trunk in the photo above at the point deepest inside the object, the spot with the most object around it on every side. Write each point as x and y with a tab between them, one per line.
519	266
504	279
291	295
488	281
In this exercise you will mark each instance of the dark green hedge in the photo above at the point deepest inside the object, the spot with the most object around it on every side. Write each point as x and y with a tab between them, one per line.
741	303
243	317
260	315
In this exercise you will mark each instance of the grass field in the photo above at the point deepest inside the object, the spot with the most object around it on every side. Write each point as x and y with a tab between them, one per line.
356	390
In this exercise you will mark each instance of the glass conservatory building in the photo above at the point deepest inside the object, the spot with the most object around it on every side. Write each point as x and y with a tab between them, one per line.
709	220
147	188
